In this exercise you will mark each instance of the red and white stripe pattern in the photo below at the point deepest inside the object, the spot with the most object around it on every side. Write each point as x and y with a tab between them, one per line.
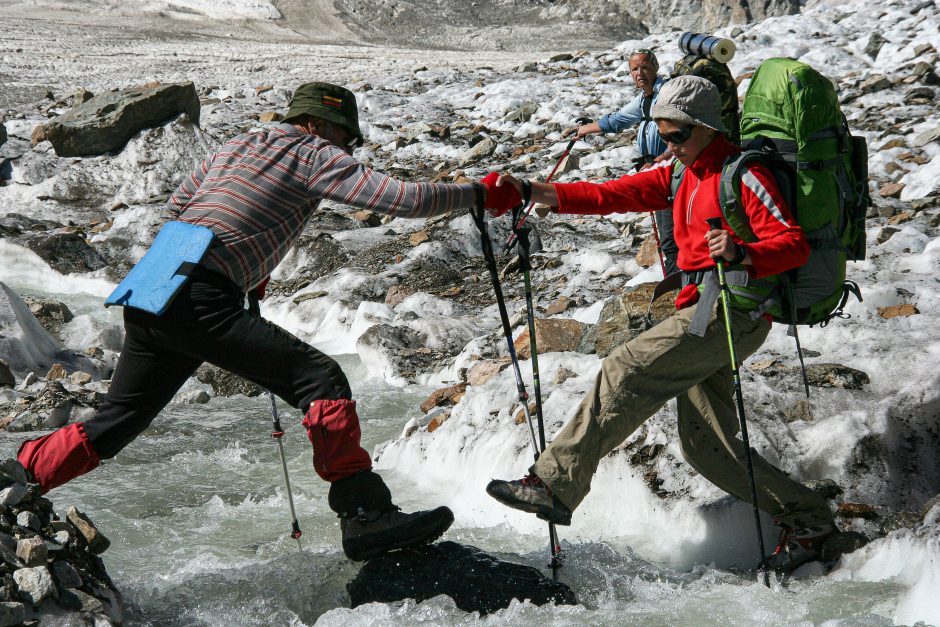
258	191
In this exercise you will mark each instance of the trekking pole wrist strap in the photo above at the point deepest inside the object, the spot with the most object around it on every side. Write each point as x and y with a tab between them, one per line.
526	192
739	254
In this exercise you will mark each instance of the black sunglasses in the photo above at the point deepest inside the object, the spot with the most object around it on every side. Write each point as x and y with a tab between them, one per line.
678	137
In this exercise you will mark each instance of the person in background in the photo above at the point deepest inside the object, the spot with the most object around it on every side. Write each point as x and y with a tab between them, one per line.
643	70
255	194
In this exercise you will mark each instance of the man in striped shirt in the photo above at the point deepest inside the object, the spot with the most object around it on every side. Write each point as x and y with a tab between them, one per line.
255	195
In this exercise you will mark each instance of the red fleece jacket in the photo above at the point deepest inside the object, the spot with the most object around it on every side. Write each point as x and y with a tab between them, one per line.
782	244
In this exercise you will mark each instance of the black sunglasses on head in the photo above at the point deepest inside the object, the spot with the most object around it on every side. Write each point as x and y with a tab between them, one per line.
678	137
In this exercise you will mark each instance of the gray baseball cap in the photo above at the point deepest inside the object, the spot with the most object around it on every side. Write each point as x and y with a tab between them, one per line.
691	100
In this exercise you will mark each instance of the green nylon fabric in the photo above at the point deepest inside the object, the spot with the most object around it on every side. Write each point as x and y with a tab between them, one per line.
791	102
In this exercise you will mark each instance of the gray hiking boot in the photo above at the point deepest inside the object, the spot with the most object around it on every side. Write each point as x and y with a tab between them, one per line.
529	494
799	546
373	532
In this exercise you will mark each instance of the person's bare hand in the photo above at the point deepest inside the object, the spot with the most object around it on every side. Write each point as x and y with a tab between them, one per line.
509	179
720	245
586	129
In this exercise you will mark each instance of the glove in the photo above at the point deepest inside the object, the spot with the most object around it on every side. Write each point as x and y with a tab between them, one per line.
500	199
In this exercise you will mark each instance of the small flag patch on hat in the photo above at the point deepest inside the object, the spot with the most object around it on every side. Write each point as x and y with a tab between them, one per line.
330	101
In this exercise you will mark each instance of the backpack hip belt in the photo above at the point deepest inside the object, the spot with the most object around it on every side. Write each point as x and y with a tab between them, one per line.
758	296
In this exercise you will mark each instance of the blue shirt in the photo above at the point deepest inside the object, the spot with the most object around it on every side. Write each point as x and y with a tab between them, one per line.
648	140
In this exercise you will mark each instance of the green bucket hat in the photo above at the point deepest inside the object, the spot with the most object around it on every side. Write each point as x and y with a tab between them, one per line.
327	101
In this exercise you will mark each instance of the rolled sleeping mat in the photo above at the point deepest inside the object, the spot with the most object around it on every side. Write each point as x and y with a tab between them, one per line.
717	48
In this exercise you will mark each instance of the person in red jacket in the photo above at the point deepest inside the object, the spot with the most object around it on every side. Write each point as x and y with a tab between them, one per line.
686	356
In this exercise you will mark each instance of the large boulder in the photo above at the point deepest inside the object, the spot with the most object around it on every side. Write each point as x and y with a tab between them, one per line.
552	335
3	133
476	581
108	121
624	317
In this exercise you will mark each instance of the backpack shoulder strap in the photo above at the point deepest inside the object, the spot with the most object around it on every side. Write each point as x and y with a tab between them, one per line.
678	171
647	105
729	193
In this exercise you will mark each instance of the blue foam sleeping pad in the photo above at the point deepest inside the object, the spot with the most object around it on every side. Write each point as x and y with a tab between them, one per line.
155	279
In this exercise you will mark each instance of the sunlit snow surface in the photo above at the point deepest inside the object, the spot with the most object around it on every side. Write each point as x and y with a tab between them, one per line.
195	507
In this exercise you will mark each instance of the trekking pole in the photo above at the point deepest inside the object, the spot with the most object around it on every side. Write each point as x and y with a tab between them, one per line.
659	244
277	433
525	265
486	244
715	224
518	222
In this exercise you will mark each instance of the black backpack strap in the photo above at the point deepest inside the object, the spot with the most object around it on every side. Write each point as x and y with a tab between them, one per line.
675	180
729	193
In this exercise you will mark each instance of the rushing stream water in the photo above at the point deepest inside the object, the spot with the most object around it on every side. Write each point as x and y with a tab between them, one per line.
199	525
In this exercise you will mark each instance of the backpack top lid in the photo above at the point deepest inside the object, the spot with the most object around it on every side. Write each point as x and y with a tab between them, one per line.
789	100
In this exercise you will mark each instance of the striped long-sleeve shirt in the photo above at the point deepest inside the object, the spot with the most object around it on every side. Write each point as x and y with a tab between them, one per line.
258	191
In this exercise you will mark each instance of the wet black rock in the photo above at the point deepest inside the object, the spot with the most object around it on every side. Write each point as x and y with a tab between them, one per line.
65	252
842	543
7	380
836	376
224	383
827	488
476	581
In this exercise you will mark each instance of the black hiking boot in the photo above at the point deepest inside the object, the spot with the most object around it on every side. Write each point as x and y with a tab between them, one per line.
800	546
373	532
529	494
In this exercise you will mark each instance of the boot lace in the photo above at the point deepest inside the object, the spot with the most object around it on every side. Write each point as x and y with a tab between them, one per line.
533	481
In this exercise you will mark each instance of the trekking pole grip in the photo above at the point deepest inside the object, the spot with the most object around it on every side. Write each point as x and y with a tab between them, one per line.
714	224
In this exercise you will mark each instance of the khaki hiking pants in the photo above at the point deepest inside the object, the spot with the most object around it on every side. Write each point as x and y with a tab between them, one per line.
638	378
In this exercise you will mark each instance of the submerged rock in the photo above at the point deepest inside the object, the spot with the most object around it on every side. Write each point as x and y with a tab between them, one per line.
476	581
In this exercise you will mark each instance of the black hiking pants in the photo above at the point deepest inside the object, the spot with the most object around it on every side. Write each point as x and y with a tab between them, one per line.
207	322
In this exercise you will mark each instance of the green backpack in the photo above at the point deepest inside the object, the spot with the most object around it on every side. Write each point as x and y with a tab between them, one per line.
791	121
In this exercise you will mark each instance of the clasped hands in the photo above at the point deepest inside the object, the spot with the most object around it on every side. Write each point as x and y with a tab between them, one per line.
504	192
